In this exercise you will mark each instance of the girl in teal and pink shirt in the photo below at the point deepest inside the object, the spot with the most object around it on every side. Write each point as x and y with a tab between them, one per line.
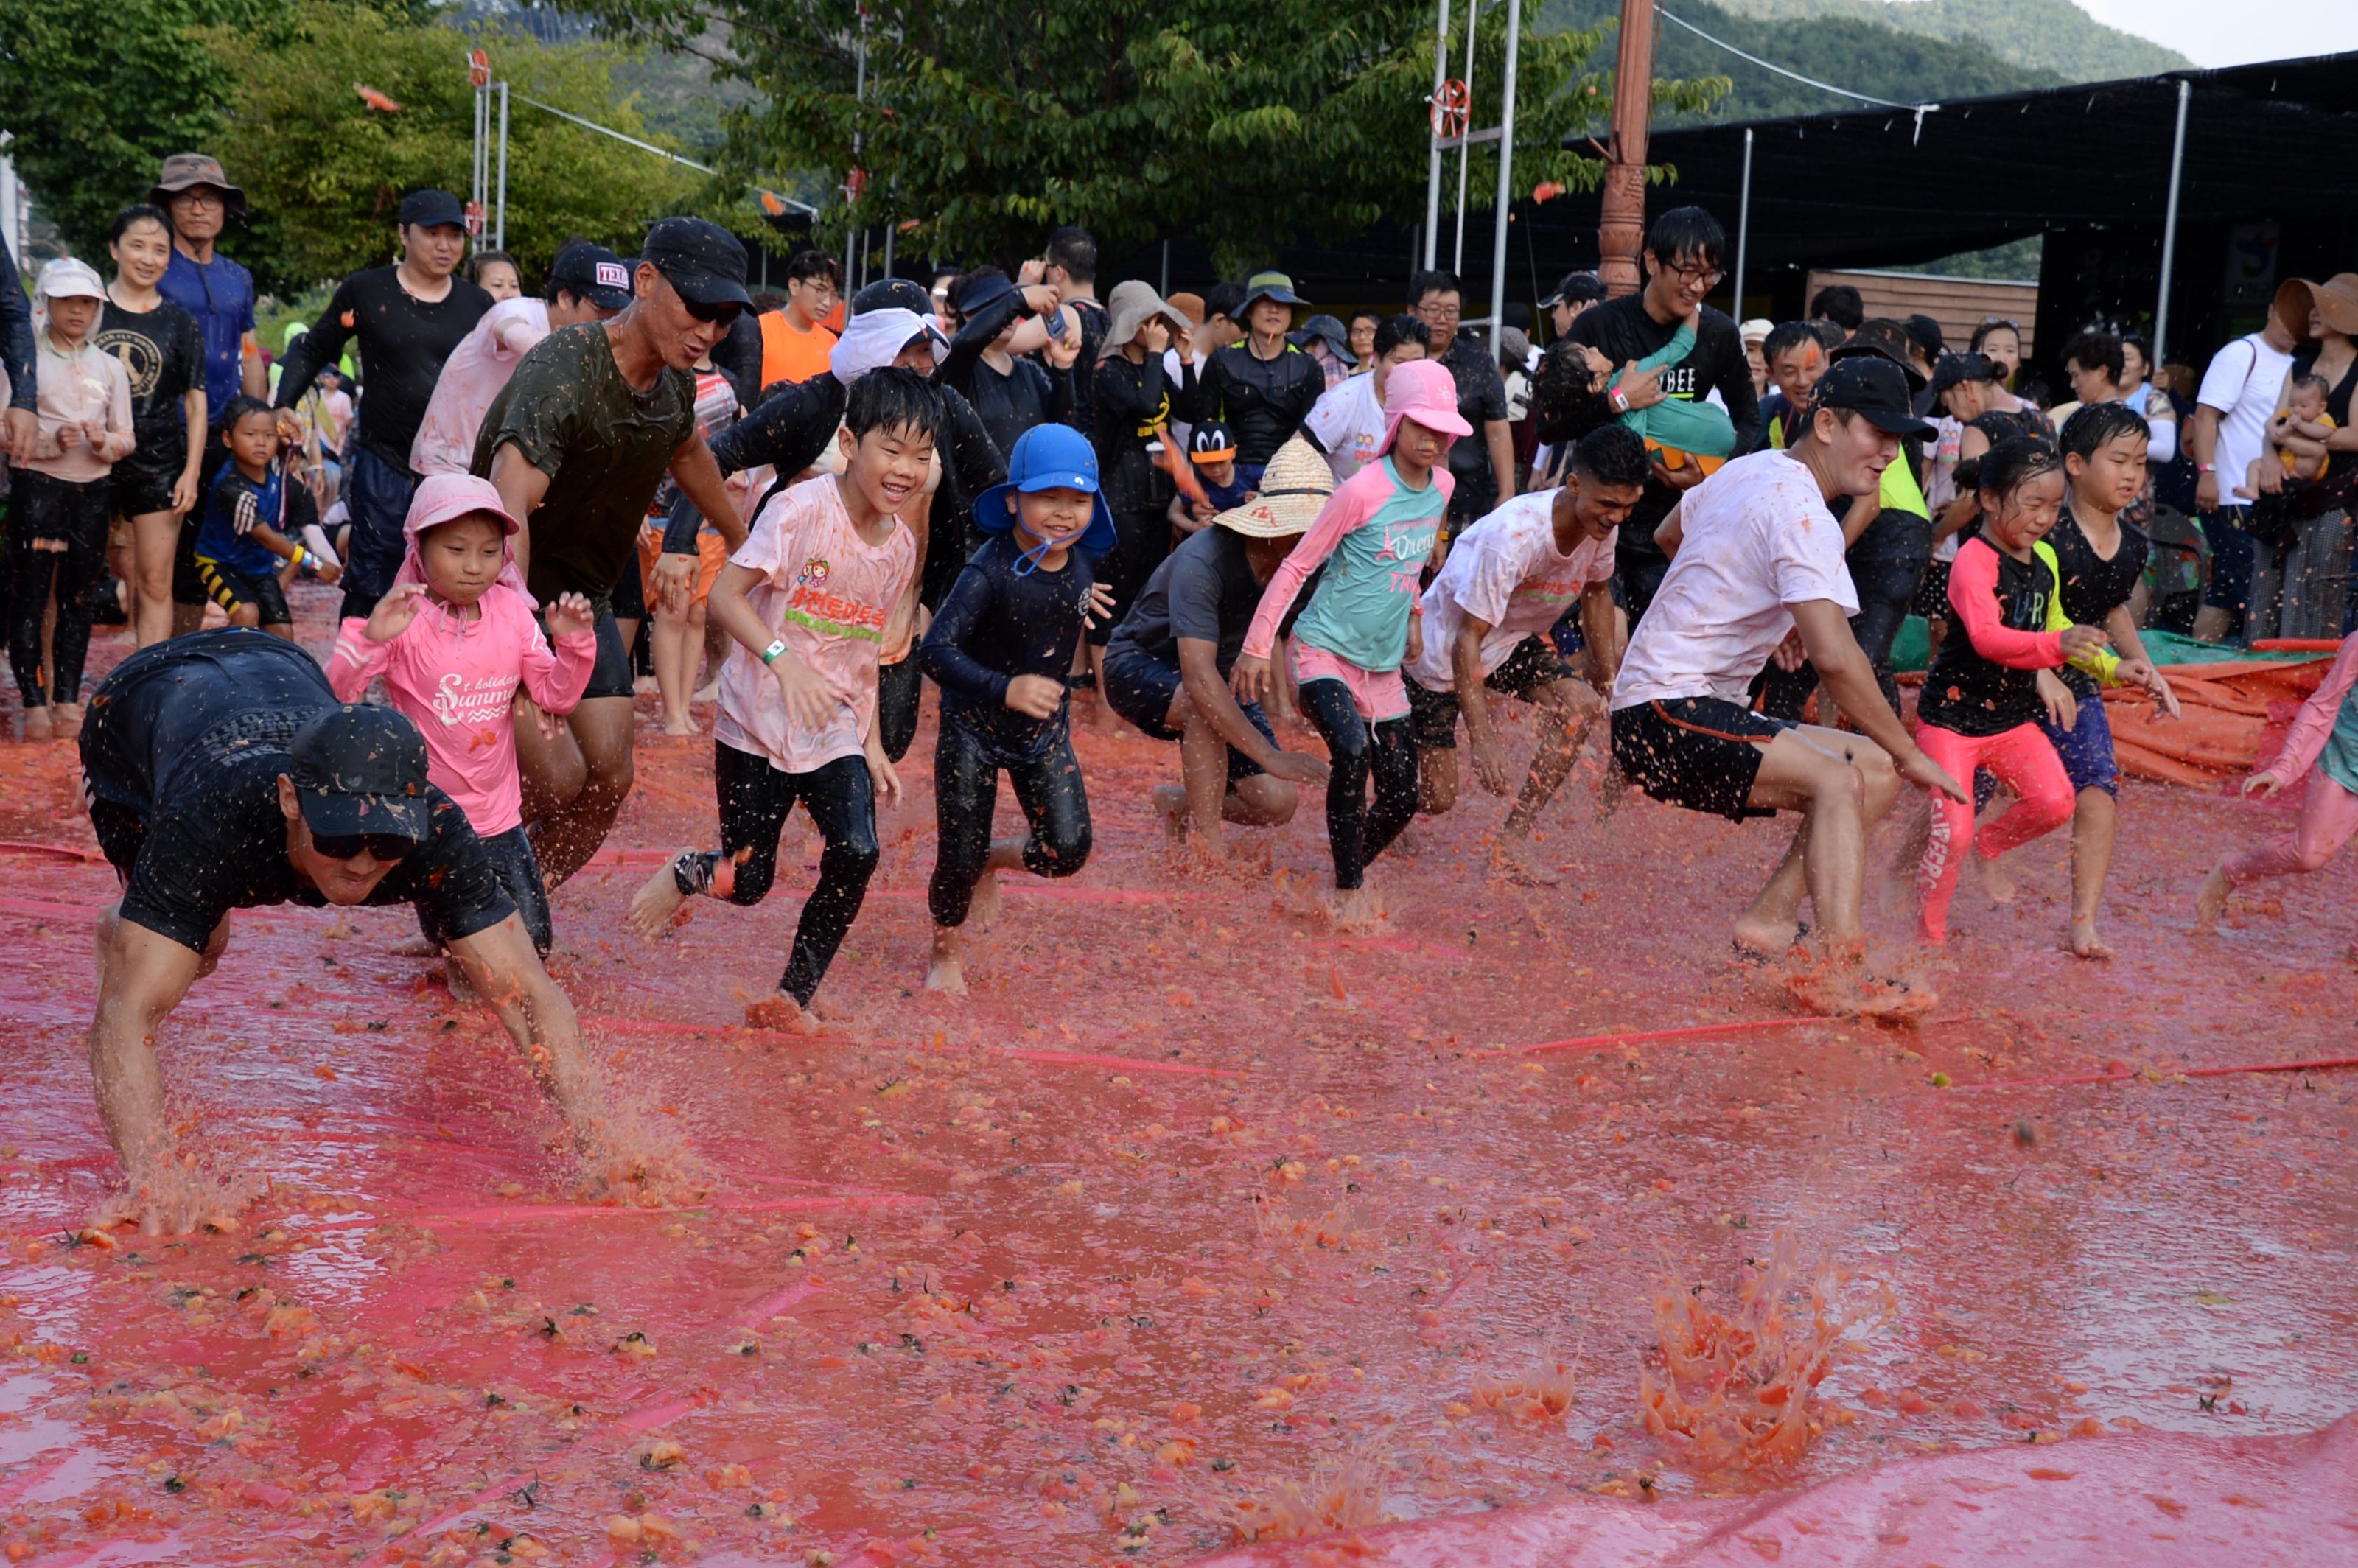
1374	536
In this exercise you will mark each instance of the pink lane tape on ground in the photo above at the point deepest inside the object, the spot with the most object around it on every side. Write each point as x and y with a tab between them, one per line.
53	852
1125	1064
525	1214
770	1306
1695	1032
83	914
2317	1065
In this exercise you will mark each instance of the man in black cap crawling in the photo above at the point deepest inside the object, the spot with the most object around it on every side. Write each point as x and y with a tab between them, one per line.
221	773
576	442
406	318
1756	558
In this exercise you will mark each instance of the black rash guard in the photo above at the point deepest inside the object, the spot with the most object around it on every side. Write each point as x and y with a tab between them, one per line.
403	343
999	624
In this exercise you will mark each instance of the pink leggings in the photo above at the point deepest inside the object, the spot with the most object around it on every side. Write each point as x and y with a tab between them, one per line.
2328	815
2023	759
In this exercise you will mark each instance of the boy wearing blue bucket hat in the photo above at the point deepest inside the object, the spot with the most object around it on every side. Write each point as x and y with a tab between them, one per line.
999	649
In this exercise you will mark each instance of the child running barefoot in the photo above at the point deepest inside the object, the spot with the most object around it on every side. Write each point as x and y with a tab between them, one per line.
253	518
454	639
1360	628
999	649
2324	732
807	595
1986	692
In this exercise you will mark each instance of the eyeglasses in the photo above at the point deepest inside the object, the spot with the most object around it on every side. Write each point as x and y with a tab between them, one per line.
388	846
1706	275
198	196
818	285
1437	310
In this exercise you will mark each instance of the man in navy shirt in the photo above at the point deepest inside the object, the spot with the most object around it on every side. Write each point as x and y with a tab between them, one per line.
218	293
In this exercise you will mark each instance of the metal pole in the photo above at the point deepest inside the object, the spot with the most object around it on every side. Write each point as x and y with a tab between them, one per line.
859	95
889	227
475	174
1433	170
1743	224
1506	179
501	242
1464	146
2169	222
1165	290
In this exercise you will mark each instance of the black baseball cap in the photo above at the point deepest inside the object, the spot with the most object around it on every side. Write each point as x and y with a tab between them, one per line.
702	260
1954	370
593	273
1577	288
360	769
1869	384
431	207
1884	338
886	293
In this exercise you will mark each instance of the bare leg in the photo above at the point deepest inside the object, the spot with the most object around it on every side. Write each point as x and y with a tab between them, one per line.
947	971
566	838
2210	901
1203	771
155	539
2093	823
1773	922
1436	779
1842	783
653	905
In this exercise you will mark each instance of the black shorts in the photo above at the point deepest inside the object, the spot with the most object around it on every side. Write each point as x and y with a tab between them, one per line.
186	588
630	596
1701	753
518	871
1534	663
1932	594
1142	689
612	676
229	589
142	488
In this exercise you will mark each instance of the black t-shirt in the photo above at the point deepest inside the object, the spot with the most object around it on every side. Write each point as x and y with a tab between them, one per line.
997	624
191	737
1622	330
1094	319
2093	586
1973	695
162	353
604	445
1481	395
1203	591
1131	400
1263	401
1027	394
403	343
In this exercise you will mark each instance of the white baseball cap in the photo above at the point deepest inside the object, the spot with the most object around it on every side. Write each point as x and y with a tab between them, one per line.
66	278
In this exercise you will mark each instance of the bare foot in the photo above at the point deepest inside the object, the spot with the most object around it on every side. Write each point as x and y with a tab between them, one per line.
645	686
2082	941
709	692
1356	909
1525	862
2212	900
947	973
681	728
1769	938
1849	990
67	718
167	1200
1171	802
417	945
781	1013
983	910
1995	881
38	729
656	904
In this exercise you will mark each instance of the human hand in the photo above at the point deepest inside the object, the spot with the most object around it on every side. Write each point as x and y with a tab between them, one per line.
1489	766
1790	655
2271	477
1155	336
1250	679
675	575
882	774
1686	476
2264	783
1296	767
1064	347
1924	773
1039	298
24	435
394	611
1099	609
1034	696
1183	340
810	701
2062	708
70	436
2206	493
1643	388
2078	640
93	432
1201	511
2141	672
324	569
1032	272
571	616
184	491
525	710
1415	638
1600	368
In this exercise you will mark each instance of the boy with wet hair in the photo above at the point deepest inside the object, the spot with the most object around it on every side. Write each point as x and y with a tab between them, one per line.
806	599
1796	359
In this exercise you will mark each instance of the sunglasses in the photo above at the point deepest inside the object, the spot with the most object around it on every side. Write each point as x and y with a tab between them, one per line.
385	846
725	312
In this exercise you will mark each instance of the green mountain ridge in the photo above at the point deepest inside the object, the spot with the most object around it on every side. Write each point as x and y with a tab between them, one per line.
2043	35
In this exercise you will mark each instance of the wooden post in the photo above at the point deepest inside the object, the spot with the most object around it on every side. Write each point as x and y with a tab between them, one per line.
1621	234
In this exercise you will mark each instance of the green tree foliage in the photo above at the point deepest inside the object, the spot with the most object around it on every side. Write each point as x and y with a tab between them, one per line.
2046	35
1242	124
97	94
324	172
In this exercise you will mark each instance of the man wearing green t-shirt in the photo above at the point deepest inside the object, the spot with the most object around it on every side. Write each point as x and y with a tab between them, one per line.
593	419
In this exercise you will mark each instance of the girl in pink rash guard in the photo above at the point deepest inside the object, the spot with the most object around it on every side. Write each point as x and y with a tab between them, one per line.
2325	733
454	640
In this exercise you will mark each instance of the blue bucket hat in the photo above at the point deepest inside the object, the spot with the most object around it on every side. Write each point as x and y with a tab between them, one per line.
1048	456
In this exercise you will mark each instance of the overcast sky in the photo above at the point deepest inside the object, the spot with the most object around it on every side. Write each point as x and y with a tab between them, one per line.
2253	29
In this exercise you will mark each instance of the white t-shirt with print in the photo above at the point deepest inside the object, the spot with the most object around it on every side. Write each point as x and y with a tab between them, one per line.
2243	382
827	593
1505	570
1348	421
1755	538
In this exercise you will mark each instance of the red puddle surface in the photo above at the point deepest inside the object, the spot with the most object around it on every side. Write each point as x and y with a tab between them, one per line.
969	1291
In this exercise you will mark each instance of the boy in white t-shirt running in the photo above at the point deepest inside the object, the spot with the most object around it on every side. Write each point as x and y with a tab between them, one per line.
808	596
1490	621
1347	423
1757	557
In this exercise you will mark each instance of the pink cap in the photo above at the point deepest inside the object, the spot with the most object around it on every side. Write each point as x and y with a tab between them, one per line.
1424	391
445	497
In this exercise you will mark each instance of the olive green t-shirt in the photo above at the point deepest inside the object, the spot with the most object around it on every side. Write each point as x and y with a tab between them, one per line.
604	446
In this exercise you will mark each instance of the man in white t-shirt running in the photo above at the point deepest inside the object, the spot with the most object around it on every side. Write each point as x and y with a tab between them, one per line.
1348	422
1755	556
1491	620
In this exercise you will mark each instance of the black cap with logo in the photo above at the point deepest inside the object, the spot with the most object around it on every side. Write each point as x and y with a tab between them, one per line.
702	260
1870	386
593	273
360	769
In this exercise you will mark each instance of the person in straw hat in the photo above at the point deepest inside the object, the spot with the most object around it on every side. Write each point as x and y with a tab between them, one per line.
1374	536
1168	666
1133	411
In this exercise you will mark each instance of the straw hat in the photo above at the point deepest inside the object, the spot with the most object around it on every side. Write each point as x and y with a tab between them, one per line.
1131	305
2336	299
1295	488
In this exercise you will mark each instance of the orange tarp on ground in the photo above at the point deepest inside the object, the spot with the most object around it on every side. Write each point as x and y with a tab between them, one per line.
2234	715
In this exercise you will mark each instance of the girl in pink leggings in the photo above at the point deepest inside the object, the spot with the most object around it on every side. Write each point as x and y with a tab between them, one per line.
2324	732
1989	687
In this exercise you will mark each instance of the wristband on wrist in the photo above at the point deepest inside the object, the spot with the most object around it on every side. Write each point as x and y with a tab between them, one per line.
2206	468
769	655
1619	398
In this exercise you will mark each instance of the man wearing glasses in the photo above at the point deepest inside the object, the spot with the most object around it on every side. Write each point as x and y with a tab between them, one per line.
1485	466
796	340
577	441
1684	250
221	773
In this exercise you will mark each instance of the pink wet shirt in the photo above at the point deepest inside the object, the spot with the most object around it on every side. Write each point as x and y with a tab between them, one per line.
455	679
472	377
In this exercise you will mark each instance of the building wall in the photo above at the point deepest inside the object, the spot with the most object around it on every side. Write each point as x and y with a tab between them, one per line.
1959	304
